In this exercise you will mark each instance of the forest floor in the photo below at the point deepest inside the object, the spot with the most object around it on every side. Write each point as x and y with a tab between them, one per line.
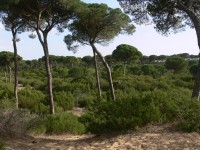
164	137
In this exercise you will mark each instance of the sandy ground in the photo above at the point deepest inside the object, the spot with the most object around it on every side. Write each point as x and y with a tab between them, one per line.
149	138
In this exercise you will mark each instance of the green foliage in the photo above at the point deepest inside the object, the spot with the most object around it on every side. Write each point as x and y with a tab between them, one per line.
57	124
7	103
193	69
65	100
168	16
6	96
76	72
2	146
60	72
120	115
31	99
86	101
190	119
6	91
101	29
135	70
88	60
6	58
126	53
148	69
61	85
139	109
175	64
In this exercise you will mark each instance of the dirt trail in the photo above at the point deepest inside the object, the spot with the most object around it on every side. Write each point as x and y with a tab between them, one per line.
148	138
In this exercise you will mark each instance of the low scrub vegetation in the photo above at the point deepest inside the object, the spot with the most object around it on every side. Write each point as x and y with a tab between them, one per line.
147	93
56	124
2	145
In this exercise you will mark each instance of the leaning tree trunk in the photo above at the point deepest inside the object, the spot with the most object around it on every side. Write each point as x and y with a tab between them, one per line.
44	44
196	22
16	70
108	71
196	90
195	19
97	74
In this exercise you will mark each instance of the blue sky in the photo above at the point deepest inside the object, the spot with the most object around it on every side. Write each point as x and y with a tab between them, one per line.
146	39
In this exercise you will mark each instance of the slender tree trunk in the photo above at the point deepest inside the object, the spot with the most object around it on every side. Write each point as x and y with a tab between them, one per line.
16	70
10	74
124	68
44	44
5	74
97	74
196	21
108	71
196	89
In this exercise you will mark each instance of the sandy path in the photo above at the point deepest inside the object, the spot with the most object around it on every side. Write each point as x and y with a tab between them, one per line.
149	138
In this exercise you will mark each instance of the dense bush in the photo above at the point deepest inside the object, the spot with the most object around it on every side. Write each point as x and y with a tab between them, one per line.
190	120
76	72
6	91
135	70
2	145
64	100
175	63
7	103
30	99
57	124
6	96
120	115
140	109
149	93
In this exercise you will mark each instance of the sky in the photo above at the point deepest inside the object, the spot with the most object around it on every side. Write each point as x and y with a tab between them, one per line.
145	39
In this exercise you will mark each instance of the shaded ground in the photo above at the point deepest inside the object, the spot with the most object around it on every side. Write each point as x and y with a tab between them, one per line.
149	138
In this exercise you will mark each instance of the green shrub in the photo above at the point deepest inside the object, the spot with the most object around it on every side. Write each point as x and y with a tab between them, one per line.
120	115
64	100
7	103
135	70
38	84
86	101
57	124
64	123
2	145
37	126
76	72
31	99
141	108
6	91
61	85
40	108
60	72
190	118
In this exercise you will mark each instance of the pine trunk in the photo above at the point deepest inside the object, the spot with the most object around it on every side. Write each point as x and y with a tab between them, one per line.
16	71
124	68
48	69
108	71
97	74
5	74
10	74
196	21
